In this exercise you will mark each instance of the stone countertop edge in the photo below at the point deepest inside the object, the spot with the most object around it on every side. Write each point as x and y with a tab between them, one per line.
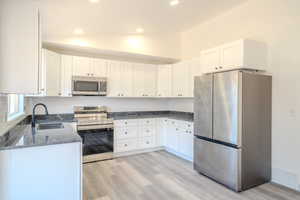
6	126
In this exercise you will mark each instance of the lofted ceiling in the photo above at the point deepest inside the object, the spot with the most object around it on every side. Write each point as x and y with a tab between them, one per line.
62	17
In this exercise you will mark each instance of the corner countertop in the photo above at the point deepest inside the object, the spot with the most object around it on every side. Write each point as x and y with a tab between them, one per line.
23	135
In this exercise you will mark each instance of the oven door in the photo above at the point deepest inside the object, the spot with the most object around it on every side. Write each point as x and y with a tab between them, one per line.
97	144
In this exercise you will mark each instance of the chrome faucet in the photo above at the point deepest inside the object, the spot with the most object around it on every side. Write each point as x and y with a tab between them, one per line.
33	113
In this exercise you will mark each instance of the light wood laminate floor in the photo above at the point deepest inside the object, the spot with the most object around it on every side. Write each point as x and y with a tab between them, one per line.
163	176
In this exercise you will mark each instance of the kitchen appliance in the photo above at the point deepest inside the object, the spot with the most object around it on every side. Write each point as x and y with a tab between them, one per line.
96	131
232	128
89	86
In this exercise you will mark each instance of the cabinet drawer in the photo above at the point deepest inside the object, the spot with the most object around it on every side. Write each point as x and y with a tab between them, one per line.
147	131
147	122
129	122
146	142
188	125
126	145
126	133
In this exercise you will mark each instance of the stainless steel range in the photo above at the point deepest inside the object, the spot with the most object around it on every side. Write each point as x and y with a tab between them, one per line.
96	131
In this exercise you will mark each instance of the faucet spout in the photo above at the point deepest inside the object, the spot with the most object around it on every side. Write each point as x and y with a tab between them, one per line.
33	122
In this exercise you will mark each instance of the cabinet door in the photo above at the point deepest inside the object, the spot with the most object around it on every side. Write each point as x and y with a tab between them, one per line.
164	81
180	81
172	139
114	77
138	80
210	60
66	75
98	67
150	72
20	47
232	55
186	143
126	77
81	66
52	73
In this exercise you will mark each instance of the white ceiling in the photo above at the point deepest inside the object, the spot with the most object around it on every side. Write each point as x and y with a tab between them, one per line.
61	17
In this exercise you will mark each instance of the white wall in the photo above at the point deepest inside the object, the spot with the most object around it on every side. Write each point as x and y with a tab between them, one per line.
163	45
65	105
277	23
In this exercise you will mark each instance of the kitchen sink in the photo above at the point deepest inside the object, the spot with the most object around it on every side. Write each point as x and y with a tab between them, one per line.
45	126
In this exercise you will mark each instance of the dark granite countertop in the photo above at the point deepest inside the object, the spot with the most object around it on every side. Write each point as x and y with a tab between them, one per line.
186	116
23	135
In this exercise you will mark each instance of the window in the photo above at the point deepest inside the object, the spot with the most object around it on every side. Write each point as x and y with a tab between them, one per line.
15	106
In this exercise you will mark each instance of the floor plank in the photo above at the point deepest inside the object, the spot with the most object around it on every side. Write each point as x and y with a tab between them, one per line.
163	176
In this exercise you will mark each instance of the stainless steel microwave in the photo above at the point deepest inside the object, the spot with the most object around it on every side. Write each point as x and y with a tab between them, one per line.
89	86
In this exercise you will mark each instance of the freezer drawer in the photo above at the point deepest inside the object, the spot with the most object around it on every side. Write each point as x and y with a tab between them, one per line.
219	162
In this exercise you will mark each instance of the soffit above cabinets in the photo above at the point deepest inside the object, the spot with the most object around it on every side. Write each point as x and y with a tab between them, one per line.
107	54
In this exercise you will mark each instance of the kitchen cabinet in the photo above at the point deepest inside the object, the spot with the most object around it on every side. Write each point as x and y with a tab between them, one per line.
51	73
20	47
180	79
120	78
186	143
172	136
210	59
98	67
164	81
243	53
82	66
161	128
66	75
144	80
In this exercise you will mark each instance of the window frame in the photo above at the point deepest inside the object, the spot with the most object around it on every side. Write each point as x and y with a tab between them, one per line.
15	106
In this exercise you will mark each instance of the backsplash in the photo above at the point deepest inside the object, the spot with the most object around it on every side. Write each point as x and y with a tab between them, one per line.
58	105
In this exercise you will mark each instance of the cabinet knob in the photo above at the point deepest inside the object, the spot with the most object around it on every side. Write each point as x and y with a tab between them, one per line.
125	145
147	142
125	133
221	67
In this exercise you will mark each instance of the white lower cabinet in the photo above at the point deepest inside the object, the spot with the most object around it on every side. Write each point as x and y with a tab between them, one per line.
141	134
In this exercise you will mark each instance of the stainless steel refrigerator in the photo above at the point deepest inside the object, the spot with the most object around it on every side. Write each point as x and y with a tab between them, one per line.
232	122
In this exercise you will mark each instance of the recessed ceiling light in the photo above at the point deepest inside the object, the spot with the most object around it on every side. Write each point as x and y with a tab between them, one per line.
94	1
140	30
78	31
174	2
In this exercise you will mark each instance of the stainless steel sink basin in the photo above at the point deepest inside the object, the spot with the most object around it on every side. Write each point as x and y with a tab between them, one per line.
45	126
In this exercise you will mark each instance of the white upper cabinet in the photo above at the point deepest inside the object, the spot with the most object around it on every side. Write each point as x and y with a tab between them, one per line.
164	81
51	63
180	79
82	66
144	80
239	54
66	75
210	59
98	67
120	77
20	47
